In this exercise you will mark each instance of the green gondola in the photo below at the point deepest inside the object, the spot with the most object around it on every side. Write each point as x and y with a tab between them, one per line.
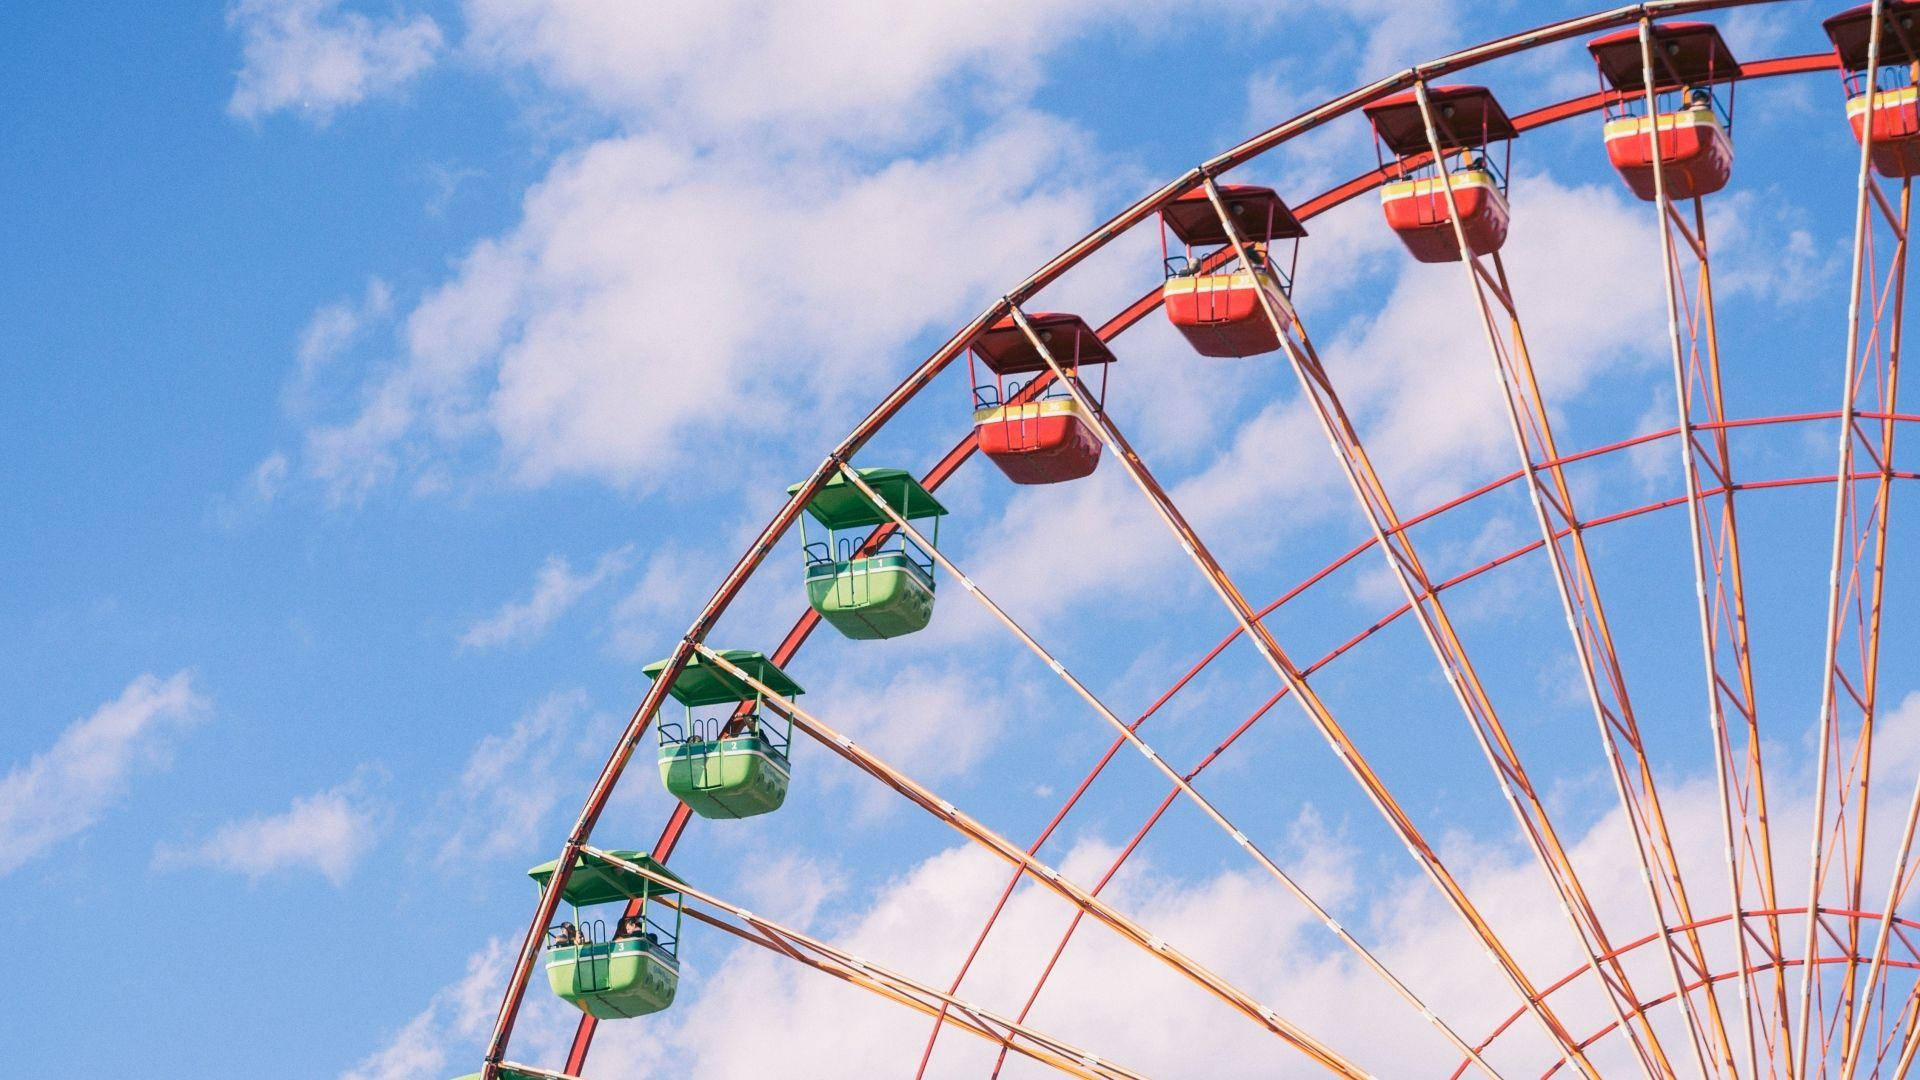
636	970
869	592
733	766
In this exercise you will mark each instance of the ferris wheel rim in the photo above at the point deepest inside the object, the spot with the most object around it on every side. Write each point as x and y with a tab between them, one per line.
1246	151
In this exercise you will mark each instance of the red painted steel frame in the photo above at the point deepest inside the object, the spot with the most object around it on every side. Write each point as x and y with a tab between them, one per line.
1850	680
1770	914
1053	269
1393	616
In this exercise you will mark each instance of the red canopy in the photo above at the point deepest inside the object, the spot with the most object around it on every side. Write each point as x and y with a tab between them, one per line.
1463	116
1852	30
1004	347
1258	213
1684	54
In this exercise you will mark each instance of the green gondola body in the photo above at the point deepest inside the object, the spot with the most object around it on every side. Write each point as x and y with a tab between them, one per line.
876	585
637	972
879	596
613	980
726	778
726	767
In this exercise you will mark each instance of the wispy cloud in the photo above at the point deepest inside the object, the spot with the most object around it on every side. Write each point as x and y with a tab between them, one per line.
61	791
310	56
556	588
668	588
326	832
512	780
1237	921
253	495
550	343
459	1012
329	334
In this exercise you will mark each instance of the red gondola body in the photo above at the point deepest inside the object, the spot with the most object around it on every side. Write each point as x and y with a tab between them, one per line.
1893	109
1220	314
1041	442
1695	150
1419	212
1416	202
1037	438
1212	302
1896	130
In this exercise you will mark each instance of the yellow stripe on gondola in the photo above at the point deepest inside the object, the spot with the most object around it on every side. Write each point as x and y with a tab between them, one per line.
1882	99
1239	279
1032	410
1627	127
1431	185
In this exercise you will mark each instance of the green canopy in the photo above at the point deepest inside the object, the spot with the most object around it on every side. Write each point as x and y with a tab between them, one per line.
840	505
596	881
703	682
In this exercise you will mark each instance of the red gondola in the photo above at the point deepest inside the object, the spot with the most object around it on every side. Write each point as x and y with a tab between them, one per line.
1213	300
1466	120
1889	97
1039	438
1696	149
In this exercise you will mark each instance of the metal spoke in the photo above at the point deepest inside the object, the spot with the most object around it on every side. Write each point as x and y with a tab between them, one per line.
1849	694
1123	731
1396	543
974	830
1309	699
1719	584
1552	499
821	956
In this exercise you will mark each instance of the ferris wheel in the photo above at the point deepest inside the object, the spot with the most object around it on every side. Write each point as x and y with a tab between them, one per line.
1759	965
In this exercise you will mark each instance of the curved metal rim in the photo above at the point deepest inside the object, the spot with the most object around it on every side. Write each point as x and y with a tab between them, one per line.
1050	271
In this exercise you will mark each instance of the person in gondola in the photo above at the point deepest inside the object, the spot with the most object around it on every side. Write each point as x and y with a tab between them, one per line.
566	934
630	927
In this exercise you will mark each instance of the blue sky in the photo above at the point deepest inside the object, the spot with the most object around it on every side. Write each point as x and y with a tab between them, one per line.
388	382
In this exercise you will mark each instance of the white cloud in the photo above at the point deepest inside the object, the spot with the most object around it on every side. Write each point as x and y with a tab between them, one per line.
330	332
801	70
925	719
670	586
458	1015
1234	920
326	832
512	781
257	491
1420	377
556	588
923	921
334	327
763	135
578	359
794	884
1768	247
61	791
1240	924
312	56
1053	550
267	478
